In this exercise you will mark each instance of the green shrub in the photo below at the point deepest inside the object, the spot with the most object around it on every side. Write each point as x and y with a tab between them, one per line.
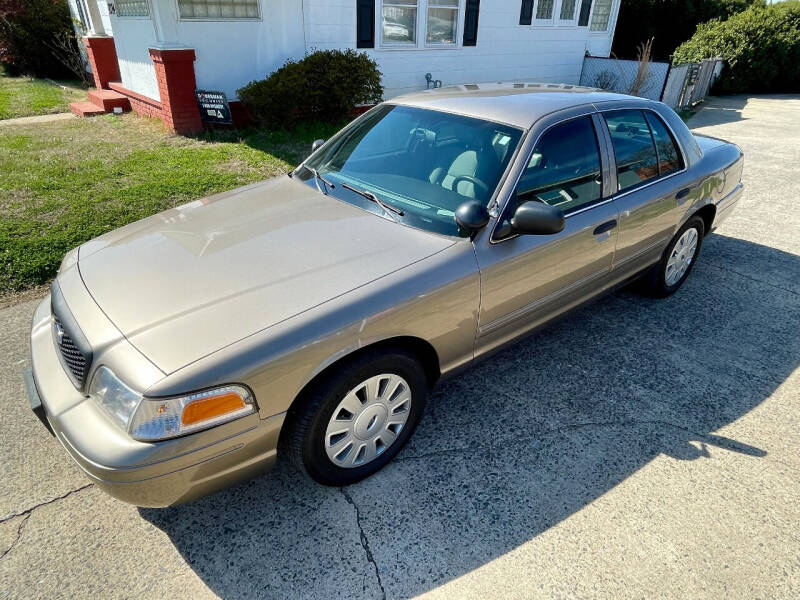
325	85
761	46
30	30
670	22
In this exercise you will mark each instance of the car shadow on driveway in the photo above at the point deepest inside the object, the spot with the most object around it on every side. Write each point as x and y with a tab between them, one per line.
519	443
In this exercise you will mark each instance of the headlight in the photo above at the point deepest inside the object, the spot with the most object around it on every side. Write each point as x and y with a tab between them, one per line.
152	419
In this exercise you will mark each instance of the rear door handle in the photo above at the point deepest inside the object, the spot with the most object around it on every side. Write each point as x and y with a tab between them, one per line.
682	195
605	227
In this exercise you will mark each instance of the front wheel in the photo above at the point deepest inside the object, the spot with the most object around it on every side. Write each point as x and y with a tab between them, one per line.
677	261
356	420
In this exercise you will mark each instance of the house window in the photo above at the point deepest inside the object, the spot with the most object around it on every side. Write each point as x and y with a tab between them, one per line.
133	8
436	20
601	15
544	10
399	21
549	12
442	21
567	10
218	9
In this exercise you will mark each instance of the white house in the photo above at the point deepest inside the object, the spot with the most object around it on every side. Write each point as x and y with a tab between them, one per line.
160	46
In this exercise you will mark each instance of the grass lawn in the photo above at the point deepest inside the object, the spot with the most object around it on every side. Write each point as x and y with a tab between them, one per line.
25	97
66	182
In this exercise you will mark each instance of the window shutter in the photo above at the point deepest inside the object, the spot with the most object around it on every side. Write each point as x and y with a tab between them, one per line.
526	12
586	9
471	22
365	23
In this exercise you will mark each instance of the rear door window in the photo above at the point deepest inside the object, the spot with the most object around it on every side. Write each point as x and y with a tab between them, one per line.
635	152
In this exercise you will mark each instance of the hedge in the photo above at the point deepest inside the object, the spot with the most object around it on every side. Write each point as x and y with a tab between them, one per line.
669	22
761	46
325	85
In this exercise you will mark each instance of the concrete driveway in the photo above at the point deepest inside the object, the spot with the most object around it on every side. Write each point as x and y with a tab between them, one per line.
638	448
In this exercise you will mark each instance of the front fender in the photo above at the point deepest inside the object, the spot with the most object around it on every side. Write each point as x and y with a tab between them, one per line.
435	300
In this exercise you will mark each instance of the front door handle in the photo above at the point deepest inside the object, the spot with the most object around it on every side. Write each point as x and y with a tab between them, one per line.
605	227
681	196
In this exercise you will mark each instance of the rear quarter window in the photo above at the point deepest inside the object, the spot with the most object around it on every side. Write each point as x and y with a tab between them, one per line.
669	156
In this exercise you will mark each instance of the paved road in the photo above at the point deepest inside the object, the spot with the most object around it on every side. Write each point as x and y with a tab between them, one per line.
639	448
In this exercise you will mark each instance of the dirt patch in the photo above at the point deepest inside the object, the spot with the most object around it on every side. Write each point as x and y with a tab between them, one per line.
13	298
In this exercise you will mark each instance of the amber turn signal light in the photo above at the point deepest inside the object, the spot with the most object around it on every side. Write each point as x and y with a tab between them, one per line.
211	407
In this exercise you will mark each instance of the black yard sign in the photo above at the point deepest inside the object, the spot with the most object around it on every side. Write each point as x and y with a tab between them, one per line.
213	107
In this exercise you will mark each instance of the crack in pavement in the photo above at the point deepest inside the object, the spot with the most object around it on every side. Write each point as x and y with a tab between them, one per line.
19	535
28	511
26	514
365	541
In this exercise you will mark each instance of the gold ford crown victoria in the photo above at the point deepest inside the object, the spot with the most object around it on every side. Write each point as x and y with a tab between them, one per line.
311	314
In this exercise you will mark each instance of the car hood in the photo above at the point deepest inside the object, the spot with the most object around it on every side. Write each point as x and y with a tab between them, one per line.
186	282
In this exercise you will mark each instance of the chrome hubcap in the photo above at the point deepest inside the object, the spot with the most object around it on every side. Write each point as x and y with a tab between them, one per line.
368	420
681	256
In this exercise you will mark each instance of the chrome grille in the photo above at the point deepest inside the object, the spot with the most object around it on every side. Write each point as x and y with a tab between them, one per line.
74	360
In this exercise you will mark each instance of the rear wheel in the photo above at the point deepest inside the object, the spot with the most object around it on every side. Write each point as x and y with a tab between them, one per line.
677	261
357	419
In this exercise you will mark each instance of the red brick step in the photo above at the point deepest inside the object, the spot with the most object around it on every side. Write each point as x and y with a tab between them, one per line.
86	109
108	100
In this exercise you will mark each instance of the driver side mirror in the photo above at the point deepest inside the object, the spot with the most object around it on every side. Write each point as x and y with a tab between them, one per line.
316	144
537	218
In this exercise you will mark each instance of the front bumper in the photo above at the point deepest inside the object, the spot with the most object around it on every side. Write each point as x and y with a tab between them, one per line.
145	474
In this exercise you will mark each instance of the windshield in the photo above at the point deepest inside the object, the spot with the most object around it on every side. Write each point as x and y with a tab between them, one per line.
423	163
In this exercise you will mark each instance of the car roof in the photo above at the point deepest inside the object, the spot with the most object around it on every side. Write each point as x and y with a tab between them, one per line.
516	103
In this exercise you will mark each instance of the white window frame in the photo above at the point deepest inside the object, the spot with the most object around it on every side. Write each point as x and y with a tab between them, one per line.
132	17
545	22
612	18
421	41
556	21
573	22
459	25
218	19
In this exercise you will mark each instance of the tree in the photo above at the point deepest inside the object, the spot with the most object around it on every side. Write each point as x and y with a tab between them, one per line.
27	29
669	22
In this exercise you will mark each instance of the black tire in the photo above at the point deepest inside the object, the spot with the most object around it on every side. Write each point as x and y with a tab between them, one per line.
655	283
304	439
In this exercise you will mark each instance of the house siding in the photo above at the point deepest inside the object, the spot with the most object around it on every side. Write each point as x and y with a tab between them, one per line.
233	53
505	50
133	38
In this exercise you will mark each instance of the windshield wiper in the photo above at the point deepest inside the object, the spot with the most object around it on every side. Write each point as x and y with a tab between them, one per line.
388	208
318	178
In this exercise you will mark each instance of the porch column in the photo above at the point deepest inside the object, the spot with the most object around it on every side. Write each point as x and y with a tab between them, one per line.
174	64
176	86
103	60
97	29
165	24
